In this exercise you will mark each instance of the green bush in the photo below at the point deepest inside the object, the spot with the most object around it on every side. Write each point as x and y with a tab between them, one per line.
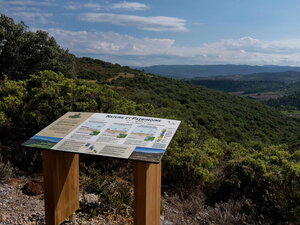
270	180
44	97
28	106
195	158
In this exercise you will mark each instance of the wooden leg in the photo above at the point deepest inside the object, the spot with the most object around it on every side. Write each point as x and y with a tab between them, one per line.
61	185
147	186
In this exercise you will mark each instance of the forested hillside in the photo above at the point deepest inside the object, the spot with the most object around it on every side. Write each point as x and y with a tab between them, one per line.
223	116
279	90
290	102
232	161
228	85
284	77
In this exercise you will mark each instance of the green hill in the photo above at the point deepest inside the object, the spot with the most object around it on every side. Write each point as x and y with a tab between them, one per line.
227	117
290	101
95	69
244	86
280	90
223	116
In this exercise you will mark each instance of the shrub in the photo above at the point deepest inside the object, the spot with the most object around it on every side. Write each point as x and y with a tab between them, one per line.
270	180
114	193
28	106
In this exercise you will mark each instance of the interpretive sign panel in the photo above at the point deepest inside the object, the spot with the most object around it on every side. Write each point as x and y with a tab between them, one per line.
113	135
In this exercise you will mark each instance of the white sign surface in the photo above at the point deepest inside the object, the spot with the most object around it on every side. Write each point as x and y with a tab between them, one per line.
113	135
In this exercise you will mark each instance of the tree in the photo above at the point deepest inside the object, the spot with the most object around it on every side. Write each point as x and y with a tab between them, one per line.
23	52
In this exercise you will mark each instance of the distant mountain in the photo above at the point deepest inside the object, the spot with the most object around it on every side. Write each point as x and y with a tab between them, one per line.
286	77
191	71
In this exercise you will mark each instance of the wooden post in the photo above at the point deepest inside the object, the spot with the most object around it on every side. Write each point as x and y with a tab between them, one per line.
147	185
61	185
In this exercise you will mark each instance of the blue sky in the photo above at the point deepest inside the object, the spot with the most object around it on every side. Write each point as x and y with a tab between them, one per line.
140	33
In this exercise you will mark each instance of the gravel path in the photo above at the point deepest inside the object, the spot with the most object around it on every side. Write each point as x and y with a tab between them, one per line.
17	208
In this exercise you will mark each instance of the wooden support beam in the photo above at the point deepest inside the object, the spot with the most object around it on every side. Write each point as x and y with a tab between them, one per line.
147	188
61	185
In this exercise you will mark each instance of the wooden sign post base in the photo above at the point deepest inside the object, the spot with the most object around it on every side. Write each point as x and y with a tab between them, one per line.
147	186
61	185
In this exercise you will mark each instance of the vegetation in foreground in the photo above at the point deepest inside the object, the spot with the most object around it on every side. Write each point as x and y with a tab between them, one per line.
237	160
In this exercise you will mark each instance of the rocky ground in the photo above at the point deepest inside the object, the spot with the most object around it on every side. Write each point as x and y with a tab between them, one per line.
22	203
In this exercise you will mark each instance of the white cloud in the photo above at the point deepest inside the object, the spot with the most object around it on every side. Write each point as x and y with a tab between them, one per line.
129	6
246	50
129	50
155	23
94	6
77	5
25	2
109	43
135	6
41	17
27	10
73	5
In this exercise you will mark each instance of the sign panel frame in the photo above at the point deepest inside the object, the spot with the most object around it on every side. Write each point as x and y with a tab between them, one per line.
130	137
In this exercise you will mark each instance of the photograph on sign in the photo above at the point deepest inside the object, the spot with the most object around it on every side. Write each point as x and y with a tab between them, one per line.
113	135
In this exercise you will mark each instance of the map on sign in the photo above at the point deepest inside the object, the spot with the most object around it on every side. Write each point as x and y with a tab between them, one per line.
113	135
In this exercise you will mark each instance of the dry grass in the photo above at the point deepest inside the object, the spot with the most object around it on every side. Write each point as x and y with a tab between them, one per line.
6	170
123	75
194	211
